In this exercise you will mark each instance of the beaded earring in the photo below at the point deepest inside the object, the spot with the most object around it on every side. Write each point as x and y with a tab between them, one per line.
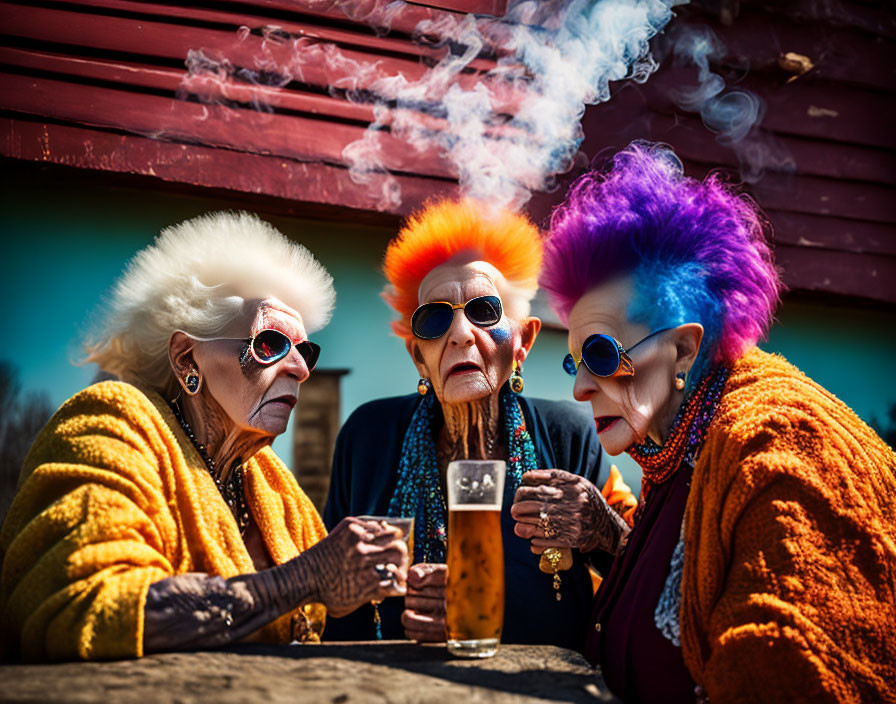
192	382
423	386
516	379
679	380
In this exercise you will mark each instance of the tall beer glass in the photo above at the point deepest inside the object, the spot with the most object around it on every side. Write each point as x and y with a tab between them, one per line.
475	594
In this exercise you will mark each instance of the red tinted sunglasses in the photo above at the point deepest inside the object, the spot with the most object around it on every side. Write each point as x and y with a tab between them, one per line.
269	346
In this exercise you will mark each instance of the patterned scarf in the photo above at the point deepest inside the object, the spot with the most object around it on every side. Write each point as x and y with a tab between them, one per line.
418	492
685	438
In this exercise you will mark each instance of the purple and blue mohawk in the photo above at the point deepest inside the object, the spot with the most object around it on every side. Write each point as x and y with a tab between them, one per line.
697	252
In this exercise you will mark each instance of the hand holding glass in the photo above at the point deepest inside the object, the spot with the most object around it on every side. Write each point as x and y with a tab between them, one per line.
406	526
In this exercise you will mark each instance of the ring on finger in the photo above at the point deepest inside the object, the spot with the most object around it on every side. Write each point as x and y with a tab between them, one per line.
546	526
383	572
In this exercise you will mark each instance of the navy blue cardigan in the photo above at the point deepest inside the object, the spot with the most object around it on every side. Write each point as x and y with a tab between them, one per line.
363	481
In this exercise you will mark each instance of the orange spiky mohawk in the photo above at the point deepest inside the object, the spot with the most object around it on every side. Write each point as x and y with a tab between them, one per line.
506	240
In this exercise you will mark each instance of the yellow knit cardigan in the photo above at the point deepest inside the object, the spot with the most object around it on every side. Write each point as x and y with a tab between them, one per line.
789	583
113	497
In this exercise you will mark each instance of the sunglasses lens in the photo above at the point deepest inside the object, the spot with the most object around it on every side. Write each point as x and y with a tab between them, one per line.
601	355
271	345
483	311
310	352
432	320
569	365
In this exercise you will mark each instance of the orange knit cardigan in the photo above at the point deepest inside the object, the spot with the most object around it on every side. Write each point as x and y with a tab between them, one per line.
790	547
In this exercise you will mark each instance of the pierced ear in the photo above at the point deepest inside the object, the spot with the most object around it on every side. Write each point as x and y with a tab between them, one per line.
529	329
180	354
414	350
687	344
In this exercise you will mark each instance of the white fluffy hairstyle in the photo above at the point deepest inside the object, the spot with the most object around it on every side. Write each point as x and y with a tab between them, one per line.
197	277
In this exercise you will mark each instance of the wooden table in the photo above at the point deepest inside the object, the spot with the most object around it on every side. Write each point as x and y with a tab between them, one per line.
394	671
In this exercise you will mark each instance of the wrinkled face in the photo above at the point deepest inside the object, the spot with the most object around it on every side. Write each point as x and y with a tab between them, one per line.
626	408
256	398
467	363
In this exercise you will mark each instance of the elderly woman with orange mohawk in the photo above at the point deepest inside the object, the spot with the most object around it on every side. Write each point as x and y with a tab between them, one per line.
461	279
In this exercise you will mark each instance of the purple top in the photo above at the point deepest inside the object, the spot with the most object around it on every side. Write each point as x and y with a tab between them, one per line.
638	663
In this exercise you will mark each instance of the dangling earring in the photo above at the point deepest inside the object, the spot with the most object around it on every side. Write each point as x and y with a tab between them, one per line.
679	380
516	379
423	386
192	382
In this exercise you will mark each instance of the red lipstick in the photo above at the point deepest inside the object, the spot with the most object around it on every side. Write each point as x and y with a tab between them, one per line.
604	423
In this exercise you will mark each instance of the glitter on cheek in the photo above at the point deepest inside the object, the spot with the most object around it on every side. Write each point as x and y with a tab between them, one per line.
500	333
248	365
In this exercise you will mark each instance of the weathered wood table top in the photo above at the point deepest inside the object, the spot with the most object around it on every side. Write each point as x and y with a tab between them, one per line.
393	671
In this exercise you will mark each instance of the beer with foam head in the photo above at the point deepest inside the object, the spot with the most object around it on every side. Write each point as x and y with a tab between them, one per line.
475	593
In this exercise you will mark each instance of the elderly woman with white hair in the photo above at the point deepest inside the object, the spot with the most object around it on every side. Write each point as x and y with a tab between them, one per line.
151	513
461	279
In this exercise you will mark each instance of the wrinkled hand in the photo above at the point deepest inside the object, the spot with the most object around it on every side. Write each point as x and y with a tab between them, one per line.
344	565
424	615
554	508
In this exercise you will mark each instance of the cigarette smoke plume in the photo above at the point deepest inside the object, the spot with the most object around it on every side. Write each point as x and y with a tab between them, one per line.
734	115
503	132
518	124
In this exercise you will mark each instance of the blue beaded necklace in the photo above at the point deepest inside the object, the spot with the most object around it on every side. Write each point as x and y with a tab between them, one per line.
418	492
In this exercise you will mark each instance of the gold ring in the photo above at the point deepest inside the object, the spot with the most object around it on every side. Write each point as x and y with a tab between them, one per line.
546	524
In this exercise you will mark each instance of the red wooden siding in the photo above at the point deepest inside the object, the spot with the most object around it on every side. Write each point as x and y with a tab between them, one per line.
834	212
94	84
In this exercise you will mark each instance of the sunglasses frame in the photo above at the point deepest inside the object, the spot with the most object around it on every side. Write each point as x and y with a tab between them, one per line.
454	307
313	347
624	364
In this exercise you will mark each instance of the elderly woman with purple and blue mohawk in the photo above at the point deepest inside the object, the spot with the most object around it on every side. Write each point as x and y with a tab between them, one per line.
762	561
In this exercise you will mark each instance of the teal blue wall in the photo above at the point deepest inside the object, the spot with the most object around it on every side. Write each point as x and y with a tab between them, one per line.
64	243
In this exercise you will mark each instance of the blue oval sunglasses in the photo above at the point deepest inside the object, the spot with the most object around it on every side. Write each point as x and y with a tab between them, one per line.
603	356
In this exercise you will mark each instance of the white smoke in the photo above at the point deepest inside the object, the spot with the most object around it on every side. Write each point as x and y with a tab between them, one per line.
502	131
734	115
517	125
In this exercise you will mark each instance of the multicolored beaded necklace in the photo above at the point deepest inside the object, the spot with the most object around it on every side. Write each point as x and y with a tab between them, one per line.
232	491
418	492
685	437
